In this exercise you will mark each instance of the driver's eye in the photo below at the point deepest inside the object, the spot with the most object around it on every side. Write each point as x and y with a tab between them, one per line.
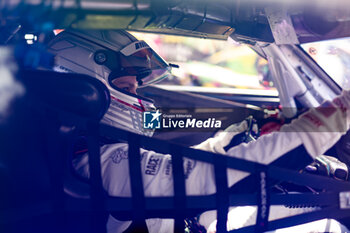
126	89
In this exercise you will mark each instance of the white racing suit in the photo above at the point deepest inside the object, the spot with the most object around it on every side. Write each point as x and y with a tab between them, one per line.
317	130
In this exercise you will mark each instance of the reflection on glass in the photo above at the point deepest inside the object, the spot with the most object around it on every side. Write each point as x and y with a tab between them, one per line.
333	56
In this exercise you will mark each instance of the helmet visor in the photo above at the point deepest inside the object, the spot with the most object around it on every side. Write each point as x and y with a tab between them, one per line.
138	59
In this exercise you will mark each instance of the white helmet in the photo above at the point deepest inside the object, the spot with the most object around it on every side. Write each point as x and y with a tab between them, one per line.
108	55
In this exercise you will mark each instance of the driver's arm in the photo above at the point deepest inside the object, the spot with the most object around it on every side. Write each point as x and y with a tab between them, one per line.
317	130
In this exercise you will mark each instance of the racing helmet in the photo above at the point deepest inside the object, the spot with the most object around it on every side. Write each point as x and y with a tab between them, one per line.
108	55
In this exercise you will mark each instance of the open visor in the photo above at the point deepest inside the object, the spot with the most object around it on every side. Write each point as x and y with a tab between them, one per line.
138	59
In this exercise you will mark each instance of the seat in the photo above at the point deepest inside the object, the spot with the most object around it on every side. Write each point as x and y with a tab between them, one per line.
37	136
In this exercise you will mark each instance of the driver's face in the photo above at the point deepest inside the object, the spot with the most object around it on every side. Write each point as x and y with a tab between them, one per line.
127	83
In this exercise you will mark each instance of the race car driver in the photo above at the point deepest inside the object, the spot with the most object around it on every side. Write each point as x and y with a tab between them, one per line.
116	56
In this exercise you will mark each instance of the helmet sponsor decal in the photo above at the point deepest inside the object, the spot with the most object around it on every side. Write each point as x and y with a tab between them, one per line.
140	45
134	47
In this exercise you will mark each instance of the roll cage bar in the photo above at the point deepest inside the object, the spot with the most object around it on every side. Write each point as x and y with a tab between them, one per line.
332	199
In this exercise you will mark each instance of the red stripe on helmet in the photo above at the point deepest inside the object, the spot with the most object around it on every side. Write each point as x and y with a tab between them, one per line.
142	109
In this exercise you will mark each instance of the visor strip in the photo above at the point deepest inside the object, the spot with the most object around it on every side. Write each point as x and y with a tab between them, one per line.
134	47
